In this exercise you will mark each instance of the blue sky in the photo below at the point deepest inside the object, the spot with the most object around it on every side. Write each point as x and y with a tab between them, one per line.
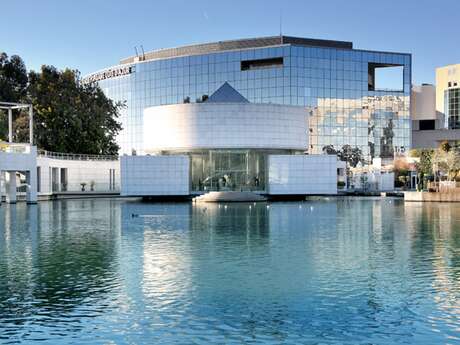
92	34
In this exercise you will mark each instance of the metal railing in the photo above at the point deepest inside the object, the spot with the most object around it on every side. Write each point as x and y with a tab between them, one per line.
73	156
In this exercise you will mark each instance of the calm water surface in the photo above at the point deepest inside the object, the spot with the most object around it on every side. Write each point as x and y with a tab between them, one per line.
323	272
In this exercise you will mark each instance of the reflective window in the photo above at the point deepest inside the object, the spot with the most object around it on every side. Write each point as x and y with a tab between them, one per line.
334	83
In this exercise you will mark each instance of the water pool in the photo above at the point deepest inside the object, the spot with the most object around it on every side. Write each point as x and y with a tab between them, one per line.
321	272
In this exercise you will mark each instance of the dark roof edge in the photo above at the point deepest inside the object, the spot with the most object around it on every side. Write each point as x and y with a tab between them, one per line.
246	43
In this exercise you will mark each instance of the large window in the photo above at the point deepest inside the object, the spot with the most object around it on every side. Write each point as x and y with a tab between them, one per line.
452	108
228	170
386	77
426	125
261	63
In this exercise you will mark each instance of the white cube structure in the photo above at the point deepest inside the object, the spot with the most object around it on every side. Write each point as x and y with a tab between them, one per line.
155	175
302	174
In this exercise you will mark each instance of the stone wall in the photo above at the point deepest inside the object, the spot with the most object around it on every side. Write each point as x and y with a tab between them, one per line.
453	196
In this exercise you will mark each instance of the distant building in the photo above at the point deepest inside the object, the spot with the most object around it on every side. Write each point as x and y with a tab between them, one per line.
448	94
435	110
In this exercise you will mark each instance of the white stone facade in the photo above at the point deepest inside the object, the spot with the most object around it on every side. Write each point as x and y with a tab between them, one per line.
98	175
15	158
155	175
302	174
225	125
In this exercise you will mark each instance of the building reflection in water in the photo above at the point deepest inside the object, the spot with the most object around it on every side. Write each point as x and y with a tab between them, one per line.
433	225
57	258
227	267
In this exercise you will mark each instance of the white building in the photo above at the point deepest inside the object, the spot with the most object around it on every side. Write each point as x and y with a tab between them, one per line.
69	173
42	175
435	110
227	144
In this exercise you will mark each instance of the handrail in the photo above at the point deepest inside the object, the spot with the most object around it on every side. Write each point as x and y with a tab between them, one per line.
73	156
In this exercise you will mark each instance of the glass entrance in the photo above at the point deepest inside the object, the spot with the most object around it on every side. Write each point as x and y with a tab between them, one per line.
228	170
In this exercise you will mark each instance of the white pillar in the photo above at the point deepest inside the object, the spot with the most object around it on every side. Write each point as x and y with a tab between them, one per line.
11	187
2	185
31	125
10	125
31	181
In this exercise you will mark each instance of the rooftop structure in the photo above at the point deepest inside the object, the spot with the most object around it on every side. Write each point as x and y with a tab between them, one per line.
228	45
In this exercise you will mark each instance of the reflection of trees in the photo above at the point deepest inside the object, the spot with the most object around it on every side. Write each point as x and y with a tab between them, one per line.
386	141
371	140
338	120
63	262
352	155
436	236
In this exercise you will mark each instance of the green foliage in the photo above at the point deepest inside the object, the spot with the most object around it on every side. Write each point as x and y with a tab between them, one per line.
352	155
445	146
13	78
415	153
425	166
68	116
13	86
329	150
447	162
71	117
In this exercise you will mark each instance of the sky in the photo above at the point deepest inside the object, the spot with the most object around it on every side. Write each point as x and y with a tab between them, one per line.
89	35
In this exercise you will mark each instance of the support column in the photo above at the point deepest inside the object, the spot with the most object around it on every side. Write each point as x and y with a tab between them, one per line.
31	125
2	185
10	125
31	181
11	187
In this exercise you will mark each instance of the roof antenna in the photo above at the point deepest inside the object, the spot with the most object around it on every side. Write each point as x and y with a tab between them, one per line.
281	25
135	49
143	53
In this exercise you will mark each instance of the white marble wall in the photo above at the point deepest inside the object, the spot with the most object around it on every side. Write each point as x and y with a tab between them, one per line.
79	171
19	161
155	175
225	125
374	180
24	160
302	174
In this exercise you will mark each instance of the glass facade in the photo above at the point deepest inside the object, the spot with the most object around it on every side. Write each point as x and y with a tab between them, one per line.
452	108
333	82
229	170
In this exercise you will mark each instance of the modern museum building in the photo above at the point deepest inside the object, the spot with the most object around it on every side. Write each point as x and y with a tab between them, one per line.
255	114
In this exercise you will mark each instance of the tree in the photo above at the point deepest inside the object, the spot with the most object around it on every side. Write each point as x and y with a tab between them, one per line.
452	161
352	155
446	162
425	165
445	146
329	150
13	85
69	116
13	78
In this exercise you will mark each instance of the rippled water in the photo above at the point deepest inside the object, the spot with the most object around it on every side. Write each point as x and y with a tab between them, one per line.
325	272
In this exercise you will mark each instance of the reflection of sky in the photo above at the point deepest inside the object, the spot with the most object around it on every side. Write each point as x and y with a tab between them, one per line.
389	78
340	271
